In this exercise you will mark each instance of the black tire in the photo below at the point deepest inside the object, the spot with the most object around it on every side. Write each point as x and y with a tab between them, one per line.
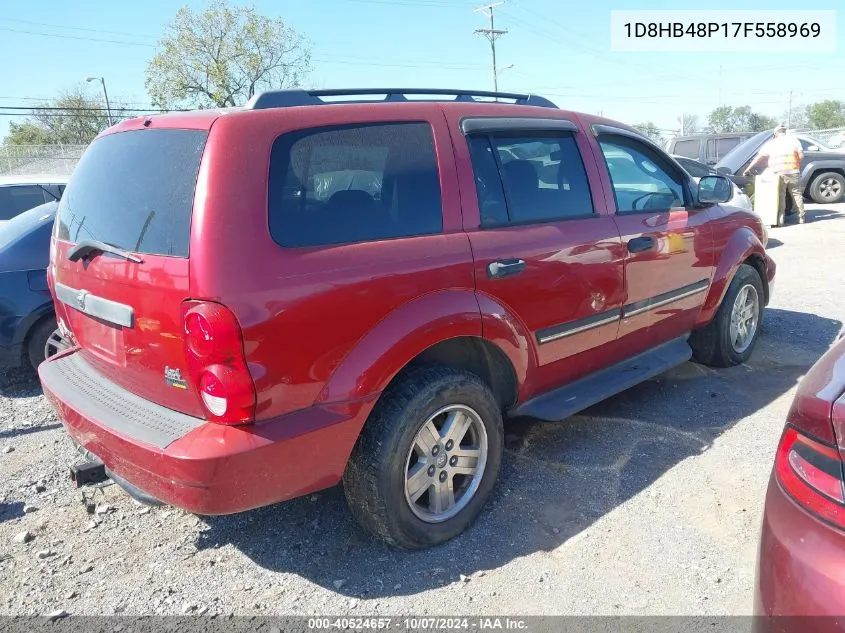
828	188
711	345
374	481
37	340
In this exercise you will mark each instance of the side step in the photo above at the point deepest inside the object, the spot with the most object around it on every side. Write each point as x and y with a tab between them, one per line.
568	400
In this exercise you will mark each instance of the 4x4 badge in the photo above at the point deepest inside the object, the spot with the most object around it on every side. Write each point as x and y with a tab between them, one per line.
173	377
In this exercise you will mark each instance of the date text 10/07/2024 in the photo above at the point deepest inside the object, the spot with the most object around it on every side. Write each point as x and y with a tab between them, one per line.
723	29
419	624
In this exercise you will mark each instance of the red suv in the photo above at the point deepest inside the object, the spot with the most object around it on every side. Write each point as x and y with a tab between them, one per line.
269	299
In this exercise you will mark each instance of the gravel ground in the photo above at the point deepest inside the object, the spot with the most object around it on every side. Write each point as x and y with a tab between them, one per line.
647	504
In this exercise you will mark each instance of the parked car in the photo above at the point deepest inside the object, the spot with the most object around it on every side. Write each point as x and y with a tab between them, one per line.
21	193
28	330
699	170
706	148
247	331
801	562
822	168
836	141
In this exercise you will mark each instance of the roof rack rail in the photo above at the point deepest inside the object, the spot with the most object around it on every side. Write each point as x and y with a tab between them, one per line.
290	98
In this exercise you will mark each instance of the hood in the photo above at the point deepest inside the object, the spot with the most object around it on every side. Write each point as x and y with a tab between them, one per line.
25	239
733	161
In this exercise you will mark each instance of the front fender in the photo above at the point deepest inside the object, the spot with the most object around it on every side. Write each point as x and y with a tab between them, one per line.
741	245
820	165
398	339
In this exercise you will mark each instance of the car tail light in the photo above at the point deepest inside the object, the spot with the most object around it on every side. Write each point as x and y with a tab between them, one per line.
216	362
810	472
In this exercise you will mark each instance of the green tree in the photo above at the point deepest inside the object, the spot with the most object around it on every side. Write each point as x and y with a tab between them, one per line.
650	130
74	118
222	56
688	123
739	119
826	114
26	133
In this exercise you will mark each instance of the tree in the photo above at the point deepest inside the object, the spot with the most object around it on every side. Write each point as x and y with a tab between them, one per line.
74	118
797	119
740	119
826	114
222	56
688	123
651	131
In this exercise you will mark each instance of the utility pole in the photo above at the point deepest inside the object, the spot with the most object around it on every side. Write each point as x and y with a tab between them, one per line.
492	34
789	112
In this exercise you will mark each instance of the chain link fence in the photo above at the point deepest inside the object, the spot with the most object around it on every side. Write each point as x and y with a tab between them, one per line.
833	137
52	160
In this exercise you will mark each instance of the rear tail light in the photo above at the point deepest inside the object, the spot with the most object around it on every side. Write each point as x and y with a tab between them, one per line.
810	472
216	362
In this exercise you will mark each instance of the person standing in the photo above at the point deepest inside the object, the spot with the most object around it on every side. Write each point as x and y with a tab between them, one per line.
784	154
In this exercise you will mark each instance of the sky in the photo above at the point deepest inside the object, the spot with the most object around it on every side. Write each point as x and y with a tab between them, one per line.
557	48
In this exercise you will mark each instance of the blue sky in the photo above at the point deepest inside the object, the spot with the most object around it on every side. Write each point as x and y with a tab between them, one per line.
558	48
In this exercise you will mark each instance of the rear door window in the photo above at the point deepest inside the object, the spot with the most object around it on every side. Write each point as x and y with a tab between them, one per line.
135	190
15	199
356	183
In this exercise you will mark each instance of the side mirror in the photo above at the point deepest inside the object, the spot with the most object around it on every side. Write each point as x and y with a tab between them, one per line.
812	148
714	190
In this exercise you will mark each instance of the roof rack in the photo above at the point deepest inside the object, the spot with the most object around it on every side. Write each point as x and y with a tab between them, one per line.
290	98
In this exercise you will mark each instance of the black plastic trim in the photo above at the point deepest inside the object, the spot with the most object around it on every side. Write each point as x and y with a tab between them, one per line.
555	332
638	307
486	125
92	305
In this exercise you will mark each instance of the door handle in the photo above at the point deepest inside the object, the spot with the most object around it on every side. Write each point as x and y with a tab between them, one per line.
640	244
505	268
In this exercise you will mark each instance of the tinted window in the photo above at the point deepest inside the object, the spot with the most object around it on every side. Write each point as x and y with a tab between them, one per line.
135	190
351	184
642	179
15	199
544	179
694	168
690	148
724	145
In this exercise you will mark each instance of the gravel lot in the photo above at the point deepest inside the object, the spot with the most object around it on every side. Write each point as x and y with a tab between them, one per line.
647	504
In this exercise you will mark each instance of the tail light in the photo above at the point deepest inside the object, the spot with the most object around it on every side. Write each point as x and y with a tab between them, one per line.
216	362
811	473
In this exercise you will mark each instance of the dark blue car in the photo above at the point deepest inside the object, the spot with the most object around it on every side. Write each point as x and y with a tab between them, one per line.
28	330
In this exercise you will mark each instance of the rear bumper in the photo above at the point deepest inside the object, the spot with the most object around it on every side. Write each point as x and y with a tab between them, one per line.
211	468
800	570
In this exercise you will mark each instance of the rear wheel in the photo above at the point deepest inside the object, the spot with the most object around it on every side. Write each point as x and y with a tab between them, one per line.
828	188
427	459
731	336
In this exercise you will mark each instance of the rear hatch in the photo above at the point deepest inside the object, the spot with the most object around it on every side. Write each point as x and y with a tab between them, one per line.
120	263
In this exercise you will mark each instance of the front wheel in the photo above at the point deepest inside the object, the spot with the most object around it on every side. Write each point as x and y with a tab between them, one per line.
828	188
427	459
732	334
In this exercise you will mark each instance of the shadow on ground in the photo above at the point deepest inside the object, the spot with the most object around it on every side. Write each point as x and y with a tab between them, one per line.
19	383
818	214
556	479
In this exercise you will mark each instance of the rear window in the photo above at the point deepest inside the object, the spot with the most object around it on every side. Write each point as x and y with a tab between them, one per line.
15	199
690	148
347	184
134	190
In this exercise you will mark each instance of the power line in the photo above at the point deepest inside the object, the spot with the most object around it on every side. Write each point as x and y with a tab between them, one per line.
76	37
78	28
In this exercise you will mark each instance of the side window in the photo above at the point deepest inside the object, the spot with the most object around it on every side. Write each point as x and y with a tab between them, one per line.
345	184
642	180
15	199
724	145
525	179
688	148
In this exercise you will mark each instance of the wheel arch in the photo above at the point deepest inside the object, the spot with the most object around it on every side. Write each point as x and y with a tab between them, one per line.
815	169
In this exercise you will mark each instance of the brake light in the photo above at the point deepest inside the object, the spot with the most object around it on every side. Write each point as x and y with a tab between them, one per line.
216	362
811	473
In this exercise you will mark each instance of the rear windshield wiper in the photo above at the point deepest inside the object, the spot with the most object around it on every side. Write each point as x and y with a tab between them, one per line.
86	248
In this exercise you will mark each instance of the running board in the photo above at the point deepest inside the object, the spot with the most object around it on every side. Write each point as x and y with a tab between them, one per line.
563	402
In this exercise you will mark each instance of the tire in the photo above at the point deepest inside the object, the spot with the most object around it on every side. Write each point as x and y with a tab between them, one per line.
716	344
828	188
44	331
375	478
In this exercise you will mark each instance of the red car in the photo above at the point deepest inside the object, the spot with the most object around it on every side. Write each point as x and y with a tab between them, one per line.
801	564
269	299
